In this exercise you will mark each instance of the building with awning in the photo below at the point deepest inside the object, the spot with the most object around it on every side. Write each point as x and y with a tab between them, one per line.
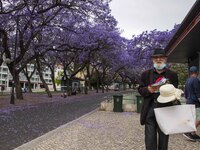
184	47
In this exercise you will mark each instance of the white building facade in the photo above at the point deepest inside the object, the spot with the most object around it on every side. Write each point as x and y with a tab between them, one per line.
36	83
4	76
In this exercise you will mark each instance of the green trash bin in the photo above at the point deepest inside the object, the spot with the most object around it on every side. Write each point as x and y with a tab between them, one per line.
118	103
139	103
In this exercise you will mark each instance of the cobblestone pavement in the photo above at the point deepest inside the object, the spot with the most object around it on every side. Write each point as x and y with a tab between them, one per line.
100	130
30	119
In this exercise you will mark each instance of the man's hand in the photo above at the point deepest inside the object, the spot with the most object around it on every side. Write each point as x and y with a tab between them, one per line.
152	89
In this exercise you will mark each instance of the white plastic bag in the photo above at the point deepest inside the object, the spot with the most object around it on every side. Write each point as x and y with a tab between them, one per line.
176	119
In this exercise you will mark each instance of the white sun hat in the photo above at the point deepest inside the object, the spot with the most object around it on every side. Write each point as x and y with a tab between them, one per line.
169	93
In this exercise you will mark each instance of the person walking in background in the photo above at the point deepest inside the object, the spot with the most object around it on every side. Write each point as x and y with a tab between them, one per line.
192	95
150	94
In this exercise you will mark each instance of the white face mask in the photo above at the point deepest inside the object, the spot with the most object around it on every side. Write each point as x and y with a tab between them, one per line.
160	67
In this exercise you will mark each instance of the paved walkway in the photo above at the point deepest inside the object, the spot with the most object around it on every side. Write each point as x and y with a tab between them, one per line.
100	130
38	114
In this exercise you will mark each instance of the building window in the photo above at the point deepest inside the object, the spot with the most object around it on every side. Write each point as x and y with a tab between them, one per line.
4	76
5	69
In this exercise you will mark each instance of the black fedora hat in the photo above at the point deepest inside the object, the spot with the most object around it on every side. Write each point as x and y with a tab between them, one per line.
159	52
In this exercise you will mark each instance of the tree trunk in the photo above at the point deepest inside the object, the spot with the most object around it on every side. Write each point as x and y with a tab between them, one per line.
103	80
124	86
54	84
18	88
97	85
69	88
29	85
86	86
42	79
129	85
89	77
28	77
53	79
107	89
16	82
102	88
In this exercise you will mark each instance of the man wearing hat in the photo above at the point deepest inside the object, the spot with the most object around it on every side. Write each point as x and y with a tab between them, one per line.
149	90
192	94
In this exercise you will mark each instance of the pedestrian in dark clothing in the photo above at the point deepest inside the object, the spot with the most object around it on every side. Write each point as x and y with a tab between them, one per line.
192	95
150	94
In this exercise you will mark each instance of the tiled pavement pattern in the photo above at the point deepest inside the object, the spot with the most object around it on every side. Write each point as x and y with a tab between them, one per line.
100	130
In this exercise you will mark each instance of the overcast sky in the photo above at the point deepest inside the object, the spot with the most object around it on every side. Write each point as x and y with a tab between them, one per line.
136	16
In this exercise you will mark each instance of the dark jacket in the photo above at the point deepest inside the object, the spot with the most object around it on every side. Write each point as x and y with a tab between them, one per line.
148	98
192	91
